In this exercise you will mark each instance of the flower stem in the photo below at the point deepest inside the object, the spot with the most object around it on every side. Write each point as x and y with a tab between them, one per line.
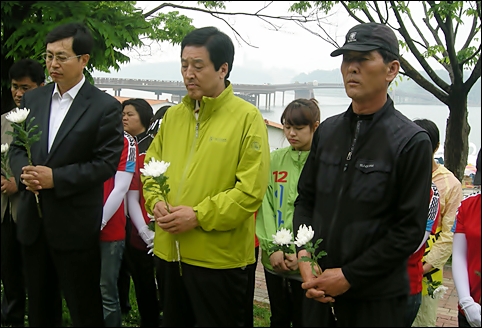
38	206
29	154
178	256
176	241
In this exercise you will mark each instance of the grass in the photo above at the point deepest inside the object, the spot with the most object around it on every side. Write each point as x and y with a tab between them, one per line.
261	313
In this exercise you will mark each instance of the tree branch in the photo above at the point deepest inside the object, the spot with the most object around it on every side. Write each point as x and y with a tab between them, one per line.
352	15
447	29
403	31
436	37
473	31
474	76
295	18
421	81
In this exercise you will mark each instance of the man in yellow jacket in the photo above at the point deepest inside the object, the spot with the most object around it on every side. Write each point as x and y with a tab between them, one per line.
217	147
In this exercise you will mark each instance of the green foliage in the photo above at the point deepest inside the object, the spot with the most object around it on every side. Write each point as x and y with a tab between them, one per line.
305	6
311	248
445	10
213	4
117	27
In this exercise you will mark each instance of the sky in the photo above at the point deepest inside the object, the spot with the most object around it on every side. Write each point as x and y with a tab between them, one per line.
275	49
289	48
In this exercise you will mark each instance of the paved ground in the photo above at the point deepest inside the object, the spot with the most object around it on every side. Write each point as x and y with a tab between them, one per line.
447	311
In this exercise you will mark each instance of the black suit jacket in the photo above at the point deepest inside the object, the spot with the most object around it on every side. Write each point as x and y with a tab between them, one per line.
85	153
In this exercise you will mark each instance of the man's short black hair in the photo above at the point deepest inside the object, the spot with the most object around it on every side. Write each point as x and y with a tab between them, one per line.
27	68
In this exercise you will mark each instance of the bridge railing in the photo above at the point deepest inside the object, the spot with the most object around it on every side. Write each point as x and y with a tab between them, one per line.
148	82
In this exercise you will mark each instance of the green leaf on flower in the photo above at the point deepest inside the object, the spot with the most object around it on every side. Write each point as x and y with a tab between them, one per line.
432	286
285	248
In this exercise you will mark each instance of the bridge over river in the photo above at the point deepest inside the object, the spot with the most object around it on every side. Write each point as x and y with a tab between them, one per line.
250	92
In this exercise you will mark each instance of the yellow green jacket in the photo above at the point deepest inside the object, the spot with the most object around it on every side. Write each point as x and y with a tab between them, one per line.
219	165
277	209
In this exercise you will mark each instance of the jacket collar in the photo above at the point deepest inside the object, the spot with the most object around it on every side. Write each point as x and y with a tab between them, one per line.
387	107
208	104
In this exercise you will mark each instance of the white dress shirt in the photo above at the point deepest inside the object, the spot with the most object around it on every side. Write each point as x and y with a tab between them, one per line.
59	108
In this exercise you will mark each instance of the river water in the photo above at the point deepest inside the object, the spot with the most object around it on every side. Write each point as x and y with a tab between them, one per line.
335	101
332	102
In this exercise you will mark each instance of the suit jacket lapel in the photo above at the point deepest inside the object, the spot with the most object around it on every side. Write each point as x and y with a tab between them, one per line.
42	120
76	110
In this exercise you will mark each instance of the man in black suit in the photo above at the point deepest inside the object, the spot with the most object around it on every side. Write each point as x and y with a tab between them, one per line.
79	148
24	75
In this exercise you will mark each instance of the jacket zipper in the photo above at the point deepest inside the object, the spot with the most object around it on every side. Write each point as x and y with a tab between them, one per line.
345	167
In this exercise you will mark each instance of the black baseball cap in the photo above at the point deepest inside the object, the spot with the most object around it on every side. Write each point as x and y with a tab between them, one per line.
368	37
478	173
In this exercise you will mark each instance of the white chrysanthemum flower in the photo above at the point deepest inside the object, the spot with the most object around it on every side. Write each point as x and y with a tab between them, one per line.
18	115
282	237
304	235
155	168
4	148
440	291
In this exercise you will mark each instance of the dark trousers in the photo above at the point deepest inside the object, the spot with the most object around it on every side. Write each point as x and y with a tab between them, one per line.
124	280
204	297
249	322
124	284
74	273
413	305
462	320
386	312
285	299
142	269
14	294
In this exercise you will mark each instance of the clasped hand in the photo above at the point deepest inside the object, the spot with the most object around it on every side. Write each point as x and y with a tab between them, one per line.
9	186
324	287
282	262
37	178
179	218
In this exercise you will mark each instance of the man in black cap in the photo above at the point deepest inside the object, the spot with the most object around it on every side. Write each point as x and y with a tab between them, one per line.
466	254
364	190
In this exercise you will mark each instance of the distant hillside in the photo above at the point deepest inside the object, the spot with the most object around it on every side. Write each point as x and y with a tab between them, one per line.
408	85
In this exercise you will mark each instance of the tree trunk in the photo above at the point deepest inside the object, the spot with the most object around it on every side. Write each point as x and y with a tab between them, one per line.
456	147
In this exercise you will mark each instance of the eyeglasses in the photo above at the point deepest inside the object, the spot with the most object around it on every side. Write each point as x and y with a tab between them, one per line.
59	58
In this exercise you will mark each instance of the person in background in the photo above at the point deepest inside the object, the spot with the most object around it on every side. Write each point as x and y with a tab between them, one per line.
415	267
439	245
217	147
113	231
466	254
137	115
283	280
79	149
124	281
24	75
156	120
364	190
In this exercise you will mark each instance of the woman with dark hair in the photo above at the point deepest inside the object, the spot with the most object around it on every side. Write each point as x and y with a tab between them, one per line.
289	306
157	119
136	117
